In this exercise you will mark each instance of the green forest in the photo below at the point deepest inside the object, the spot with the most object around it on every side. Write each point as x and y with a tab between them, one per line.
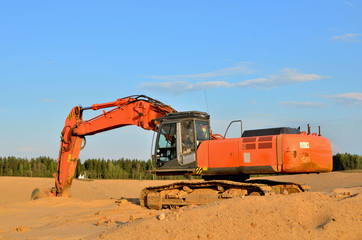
122	168
346	161
91	168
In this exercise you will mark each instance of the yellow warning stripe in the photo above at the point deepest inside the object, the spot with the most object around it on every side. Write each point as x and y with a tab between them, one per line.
199	170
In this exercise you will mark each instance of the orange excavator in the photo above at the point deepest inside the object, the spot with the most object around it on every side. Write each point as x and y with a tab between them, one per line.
185	145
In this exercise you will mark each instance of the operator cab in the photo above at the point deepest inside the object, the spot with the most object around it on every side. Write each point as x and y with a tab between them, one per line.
178	138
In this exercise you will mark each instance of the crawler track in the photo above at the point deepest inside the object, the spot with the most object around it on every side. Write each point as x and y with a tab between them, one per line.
197	193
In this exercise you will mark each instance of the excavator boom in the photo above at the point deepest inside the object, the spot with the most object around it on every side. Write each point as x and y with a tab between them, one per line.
137	110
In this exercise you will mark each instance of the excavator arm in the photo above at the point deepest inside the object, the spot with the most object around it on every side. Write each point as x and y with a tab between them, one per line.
136	110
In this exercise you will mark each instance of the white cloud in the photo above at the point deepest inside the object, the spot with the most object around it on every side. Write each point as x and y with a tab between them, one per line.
293	76
349	37
285	77
303	104
240	69
258	82
182	86
347	98
51	62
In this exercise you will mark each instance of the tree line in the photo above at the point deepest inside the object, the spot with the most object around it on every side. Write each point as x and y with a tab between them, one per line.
346	161
90	168
121	168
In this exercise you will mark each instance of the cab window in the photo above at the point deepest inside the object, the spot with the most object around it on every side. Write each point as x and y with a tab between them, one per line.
166	146
202	131
187	136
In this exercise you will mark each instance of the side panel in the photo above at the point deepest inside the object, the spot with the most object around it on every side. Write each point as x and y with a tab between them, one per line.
306	153
224	153
203	154
239	155
280	153
258	154
285	153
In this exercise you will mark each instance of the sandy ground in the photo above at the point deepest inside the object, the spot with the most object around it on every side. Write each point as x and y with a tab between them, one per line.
109	209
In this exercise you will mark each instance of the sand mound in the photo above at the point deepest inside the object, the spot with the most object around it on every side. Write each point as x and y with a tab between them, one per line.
109	210
296	216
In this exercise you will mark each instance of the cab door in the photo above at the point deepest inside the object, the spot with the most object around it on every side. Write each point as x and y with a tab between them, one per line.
166	145
187	147
176	145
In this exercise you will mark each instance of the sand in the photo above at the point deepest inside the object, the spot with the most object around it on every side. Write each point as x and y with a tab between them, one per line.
109	209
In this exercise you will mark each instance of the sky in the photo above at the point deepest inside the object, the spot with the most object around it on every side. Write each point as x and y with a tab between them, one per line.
267	63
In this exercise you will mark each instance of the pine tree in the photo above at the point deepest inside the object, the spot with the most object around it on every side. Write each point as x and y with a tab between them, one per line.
1	166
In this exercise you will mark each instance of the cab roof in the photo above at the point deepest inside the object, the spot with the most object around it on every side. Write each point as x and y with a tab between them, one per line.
182	115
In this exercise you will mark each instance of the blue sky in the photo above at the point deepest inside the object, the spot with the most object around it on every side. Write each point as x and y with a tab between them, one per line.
268	63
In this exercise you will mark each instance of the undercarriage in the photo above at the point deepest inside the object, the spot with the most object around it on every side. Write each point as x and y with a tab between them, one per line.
185	193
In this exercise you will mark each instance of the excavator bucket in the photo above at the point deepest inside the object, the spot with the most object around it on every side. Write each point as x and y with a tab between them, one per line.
41	193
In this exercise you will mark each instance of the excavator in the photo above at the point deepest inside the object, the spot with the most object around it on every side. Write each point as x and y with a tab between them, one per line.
185	145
